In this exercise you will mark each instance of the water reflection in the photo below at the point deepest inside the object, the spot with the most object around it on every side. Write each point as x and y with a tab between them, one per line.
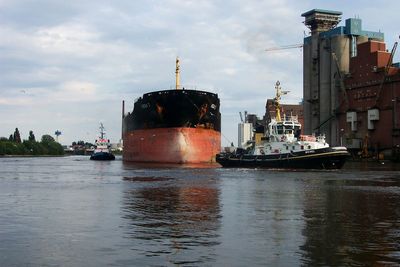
150	165
372	166
71	211
171	218
353	222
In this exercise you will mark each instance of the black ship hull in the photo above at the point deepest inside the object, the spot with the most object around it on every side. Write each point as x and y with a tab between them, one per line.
102	156
325	158
173	109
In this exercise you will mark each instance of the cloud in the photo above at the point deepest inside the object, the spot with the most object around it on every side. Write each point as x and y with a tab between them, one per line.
7	101
71	39
75	91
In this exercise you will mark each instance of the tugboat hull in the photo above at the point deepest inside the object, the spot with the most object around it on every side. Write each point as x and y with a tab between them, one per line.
325	158
102	156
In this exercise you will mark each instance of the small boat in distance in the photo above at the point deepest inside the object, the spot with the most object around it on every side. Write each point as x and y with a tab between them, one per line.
283	146
102	151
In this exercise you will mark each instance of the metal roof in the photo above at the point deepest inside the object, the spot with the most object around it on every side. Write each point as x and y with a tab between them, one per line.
324	11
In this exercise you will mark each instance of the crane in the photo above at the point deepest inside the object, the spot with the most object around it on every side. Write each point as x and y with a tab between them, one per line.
284	47
241	117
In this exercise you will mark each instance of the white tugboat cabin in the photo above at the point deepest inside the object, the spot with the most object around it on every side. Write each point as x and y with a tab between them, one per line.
284	137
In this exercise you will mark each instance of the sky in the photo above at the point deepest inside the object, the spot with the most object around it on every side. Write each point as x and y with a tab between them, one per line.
67	65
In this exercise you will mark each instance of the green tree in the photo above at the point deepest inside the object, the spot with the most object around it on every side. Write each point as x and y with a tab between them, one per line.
31	136
47	138
88	145
12	148
55	148
7	148
3	147
17	136
81	143
19	149
50	146
34	148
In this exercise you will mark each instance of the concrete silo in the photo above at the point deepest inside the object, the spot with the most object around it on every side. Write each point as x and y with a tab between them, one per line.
326	56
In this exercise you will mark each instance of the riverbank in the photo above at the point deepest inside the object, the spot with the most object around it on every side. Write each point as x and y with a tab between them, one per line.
32	156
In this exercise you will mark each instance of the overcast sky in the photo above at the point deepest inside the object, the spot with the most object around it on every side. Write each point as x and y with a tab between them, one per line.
67	65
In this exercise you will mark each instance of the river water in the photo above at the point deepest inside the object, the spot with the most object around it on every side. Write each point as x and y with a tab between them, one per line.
70	211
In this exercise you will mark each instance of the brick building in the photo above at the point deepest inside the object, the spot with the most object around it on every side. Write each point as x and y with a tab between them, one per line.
369	111
286	110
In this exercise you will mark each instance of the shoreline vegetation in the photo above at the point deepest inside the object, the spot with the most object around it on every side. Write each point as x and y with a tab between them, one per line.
32	156
14	146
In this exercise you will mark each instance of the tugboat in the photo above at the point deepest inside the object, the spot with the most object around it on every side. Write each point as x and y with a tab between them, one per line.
102	151
283	146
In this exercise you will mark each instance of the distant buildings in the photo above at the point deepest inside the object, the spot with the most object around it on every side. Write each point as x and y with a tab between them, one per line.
253	128
245	133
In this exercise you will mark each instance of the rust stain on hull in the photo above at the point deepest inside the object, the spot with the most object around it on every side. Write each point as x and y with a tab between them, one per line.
172	145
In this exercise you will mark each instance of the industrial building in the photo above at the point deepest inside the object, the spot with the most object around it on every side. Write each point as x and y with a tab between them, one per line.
326	62
351	85
369	113
351	88
245	133
251	128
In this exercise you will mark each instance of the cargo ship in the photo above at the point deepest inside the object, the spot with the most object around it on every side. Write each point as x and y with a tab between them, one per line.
284	147
173	126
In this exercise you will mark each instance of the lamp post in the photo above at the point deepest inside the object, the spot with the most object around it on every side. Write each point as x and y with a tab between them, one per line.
341	136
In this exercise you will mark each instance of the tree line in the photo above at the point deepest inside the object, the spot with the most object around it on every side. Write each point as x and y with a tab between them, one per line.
14	145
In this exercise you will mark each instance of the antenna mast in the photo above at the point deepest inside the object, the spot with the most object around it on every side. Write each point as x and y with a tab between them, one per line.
177	74
277	99
101	130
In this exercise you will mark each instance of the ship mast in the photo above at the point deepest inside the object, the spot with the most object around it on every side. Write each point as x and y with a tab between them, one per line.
277	99
101	130
177	73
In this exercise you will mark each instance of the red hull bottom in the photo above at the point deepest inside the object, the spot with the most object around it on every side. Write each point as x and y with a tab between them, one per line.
172	145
